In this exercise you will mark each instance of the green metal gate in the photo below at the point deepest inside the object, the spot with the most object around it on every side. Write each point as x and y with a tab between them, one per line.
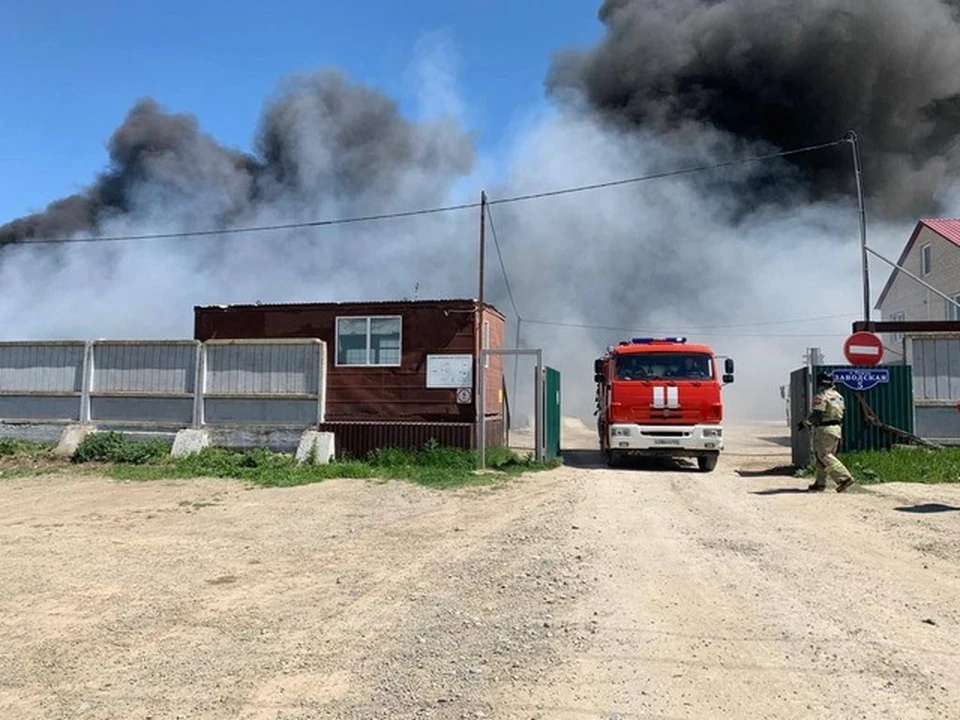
551	412
886	389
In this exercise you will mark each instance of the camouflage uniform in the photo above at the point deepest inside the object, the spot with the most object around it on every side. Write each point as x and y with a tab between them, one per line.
826	419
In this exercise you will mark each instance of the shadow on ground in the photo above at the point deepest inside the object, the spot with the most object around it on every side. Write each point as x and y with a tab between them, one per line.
778	471
781	440
593	459
781	491
927	508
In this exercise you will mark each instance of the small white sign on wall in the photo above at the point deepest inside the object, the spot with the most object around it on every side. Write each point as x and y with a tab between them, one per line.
449	371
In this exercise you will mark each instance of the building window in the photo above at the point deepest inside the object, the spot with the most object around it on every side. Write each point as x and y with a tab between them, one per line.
897	317
952	311
926	260
369	341
486	342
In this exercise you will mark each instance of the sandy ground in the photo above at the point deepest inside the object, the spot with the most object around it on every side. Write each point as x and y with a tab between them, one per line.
649	592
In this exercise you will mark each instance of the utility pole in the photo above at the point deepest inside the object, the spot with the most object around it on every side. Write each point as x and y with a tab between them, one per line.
479	399
851	137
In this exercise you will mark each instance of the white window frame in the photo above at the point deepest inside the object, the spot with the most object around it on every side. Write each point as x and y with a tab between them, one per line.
952	312
369	319
485	342
926	259
898	317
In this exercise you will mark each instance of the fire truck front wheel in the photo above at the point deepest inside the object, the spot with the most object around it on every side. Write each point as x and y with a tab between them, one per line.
708	461
613	458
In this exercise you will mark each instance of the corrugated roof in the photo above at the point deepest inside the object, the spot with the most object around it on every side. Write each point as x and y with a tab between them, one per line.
342	303
947	228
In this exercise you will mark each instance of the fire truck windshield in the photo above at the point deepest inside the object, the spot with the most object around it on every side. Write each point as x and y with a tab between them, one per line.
664	365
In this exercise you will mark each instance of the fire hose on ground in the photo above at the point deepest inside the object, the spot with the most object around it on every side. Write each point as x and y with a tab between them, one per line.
871	418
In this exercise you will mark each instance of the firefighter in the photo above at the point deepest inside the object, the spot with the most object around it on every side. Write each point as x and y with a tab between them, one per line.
826	419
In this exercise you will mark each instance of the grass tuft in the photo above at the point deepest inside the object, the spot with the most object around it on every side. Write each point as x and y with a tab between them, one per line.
12	447
114	447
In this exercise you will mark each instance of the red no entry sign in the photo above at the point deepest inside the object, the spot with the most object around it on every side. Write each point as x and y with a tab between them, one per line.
863	348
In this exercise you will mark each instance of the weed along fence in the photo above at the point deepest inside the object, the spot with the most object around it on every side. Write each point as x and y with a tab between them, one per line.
241	391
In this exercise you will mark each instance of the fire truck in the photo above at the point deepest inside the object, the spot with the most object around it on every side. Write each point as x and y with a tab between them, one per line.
661	397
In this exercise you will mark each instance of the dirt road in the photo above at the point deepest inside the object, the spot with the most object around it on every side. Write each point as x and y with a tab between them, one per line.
579	593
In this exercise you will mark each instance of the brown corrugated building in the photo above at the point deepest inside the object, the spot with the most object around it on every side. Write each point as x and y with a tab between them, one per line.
400	373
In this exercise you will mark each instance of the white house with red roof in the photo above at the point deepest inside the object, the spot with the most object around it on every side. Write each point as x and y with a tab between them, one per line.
933	254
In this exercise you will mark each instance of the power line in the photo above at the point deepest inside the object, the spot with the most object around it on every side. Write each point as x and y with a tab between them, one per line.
699	331
433	210
260	228
790	321
667	174
506	279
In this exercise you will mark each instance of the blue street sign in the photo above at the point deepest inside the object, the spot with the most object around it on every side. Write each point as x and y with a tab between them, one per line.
861	379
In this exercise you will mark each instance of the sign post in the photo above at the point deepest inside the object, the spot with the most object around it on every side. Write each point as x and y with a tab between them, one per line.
863	348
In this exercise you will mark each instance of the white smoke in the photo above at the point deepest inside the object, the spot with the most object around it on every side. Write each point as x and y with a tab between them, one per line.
669	256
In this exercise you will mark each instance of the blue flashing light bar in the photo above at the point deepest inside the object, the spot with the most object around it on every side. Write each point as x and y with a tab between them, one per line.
647	341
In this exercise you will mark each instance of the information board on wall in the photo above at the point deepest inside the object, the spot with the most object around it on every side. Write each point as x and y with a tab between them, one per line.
449	371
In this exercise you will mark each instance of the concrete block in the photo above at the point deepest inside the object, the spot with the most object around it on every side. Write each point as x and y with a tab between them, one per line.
315	447
189	441
71	437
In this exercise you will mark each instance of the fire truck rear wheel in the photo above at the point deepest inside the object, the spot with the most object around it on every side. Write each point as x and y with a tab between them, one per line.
707	463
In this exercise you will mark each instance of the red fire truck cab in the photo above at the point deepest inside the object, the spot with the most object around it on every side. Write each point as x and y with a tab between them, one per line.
661	397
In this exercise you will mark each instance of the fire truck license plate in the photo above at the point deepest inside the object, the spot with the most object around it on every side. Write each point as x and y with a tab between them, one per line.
666	442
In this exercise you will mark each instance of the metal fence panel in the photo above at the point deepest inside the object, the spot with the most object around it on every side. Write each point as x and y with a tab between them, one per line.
264	382
145	382
175	383
42	381
283	411
936	384
936	367
263	368
800	440
39	408
53	368
153	367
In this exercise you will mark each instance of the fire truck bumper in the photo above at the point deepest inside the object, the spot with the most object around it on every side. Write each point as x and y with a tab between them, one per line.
659	439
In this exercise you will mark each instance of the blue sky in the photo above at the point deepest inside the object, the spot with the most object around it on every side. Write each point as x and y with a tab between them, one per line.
70	71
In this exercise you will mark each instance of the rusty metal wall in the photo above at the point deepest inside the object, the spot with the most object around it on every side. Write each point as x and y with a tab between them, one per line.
375	393
42	381
357	439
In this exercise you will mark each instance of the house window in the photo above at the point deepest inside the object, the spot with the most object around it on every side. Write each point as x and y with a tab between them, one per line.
486	342
926	260
952	311
368	341
897	317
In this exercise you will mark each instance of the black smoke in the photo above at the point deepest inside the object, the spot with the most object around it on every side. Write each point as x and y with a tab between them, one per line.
787	74
320	137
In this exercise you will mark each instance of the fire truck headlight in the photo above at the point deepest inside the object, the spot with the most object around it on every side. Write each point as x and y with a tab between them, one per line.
712	432
620	432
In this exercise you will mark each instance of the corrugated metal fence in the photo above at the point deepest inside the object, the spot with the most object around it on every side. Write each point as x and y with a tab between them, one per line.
891	400
165	383
936	384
